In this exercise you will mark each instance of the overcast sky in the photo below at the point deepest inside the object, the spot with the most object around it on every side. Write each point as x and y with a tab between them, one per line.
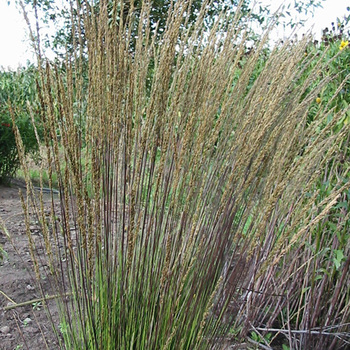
15	48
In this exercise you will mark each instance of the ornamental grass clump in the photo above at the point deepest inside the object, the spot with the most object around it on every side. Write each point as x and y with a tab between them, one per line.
185	186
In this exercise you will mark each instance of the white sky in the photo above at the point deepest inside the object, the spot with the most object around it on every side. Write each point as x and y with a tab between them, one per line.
15	49
323	17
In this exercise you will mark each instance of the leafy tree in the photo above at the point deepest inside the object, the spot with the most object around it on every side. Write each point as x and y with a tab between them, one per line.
65	34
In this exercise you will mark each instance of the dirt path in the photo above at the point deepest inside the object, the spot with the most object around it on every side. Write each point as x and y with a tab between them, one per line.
22	327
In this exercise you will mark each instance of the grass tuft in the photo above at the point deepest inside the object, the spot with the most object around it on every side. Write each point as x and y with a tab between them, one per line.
186	183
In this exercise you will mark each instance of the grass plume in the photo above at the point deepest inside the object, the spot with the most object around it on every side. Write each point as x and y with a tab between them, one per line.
184	180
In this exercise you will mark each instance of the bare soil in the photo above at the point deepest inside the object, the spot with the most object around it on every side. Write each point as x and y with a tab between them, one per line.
22	326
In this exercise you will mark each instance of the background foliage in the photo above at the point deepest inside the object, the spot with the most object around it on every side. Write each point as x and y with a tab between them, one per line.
252	18
17	89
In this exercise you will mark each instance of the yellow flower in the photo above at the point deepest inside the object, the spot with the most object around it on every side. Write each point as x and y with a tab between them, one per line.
343	44
318	100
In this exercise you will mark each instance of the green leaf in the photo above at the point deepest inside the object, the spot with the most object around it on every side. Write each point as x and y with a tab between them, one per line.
342	205
339	256
304	290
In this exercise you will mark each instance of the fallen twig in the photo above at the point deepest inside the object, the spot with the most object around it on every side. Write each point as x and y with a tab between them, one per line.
29	302
302	331
7	297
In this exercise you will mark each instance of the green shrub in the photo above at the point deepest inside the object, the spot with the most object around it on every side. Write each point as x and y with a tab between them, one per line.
17	89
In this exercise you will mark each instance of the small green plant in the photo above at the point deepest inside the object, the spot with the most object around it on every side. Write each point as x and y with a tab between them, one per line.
37	305
26	321
258	338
